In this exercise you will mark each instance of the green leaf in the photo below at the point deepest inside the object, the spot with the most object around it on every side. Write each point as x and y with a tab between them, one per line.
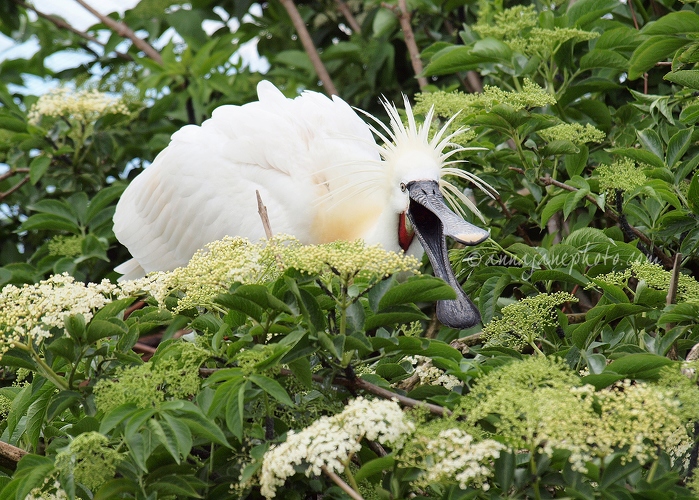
572	200
117	416
165	436
490	48
384	23
374	467
50	222
38	167
180	432
655	49
673	23
115	488
101	200
553	206
685	77
639	365
576	163
272	387
600	58
489	295
235	408
36	413
9	122
394	315
113	308
640	155
423	288
652	142
690	114
455	59
560	147
99	329
582	12
678	146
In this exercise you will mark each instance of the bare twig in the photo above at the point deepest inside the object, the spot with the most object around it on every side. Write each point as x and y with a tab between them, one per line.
464	343
409	38
60	23
347	13
12	172
124	31
343	485
14	188
308	46
474	81
10	455
262	210
361	384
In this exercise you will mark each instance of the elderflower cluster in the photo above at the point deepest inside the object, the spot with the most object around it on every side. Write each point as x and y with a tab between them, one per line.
454	455
28	313
623	174
53	492
84	106
172	373
540	404
544	43
212	271
89	459
331	441
508	23
656	277
524	321
446	104
573	132
430	374
614	278
67	246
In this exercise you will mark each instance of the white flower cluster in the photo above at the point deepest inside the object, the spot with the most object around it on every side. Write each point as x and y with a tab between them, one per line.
58	493
83	106
454	455
430	374
28	313
331	441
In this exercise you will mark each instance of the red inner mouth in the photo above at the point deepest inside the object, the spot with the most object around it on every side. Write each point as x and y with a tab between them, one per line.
405	237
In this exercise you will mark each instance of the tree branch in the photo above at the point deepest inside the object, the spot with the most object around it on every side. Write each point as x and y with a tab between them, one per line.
343	485
60	23
409	38
124	31
10	455
12	172
347	13
308	46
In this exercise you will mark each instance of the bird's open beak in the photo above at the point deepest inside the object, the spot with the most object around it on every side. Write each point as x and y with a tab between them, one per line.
432	221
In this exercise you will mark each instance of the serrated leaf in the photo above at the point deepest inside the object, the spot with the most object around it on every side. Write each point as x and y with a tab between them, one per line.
651	141
657	48
455	59
673	23
560	147
583	12
686	77
394	315
572	200
600	58
99	329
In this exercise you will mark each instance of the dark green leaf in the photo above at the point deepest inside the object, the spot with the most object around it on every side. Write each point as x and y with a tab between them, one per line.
423	288
38	167
655	49
685	77
374	467
272	387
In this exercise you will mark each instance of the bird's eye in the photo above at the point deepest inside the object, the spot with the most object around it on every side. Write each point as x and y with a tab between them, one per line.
402	187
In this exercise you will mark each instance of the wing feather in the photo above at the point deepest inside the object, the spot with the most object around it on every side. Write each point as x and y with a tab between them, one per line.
202	186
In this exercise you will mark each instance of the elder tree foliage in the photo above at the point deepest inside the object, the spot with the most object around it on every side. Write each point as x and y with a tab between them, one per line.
274	370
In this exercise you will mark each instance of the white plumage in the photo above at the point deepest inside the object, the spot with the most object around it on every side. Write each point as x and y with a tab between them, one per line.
316	166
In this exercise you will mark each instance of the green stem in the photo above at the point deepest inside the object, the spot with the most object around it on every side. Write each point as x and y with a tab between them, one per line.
350	477
43	368
532	468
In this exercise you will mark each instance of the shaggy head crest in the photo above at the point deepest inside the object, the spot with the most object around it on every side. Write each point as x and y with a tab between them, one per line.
400	139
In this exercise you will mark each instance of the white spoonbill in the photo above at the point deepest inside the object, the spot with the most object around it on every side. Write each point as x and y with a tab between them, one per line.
319	172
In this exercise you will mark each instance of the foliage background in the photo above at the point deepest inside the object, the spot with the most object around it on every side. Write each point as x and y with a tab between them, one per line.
586	113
